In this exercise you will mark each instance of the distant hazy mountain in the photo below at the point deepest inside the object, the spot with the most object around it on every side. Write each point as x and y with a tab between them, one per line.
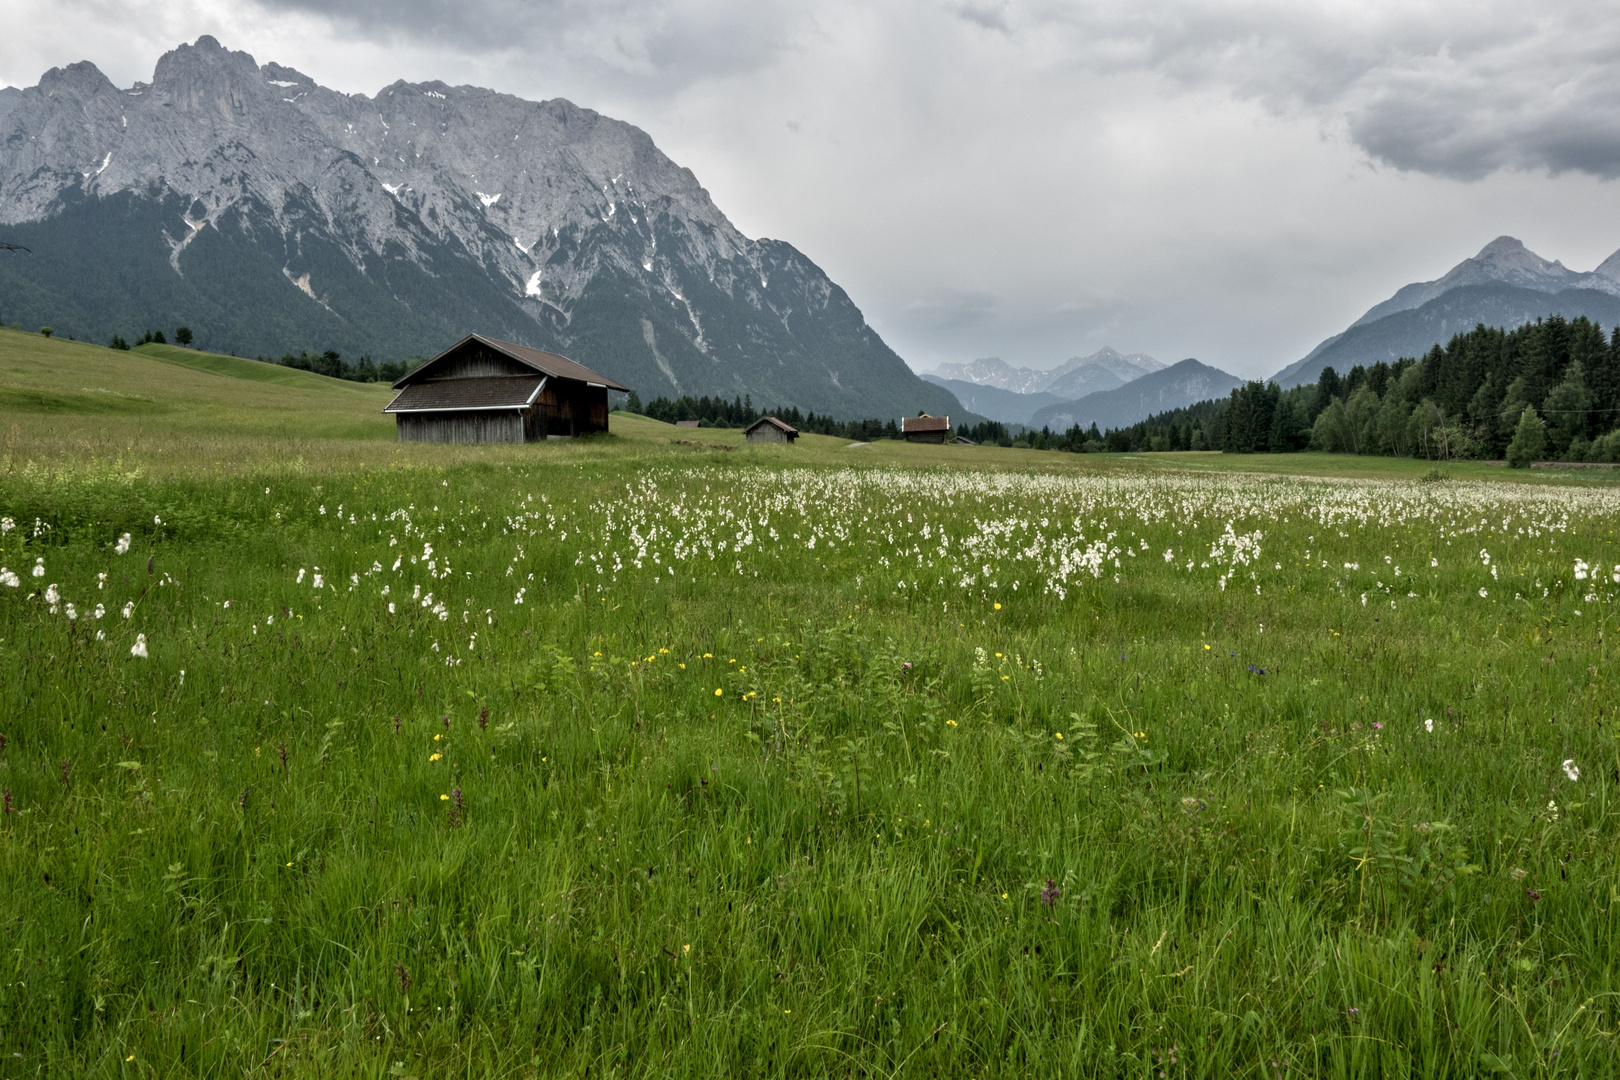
1186	383
994	403
992	372
1080	375
271	214
1505	285
1102	370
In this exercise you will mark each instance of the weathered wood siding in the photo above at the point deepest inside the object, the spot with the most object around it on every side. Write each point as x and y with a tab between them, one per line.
767	433
477	361
462	427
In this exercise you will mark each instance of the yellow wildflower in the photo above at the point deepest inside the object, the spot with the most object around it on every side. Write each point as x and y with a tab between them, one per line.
718	691
435	757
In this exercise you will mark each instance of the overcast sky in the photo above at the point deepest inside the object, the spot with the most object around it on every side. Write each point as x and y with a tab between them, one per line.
1031	179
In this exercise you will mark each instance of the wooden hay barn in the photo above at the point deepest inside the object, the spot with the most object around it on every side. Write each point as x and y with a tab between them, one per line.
768	429
480	390
925	428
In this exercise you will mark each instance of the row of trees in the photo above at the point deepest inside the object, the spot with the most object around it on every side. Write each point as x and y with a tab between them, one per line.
1547	389
182	336
332	364
739	412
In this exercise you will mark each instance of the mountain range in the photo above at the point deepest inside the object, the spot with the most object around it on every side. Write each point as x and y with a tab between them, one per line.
998	390
1102	370
1180	384
271	214
1505	285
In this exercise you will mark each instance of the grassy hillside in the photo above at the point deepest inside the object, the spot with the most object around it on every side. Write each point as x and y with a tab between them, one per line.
236	367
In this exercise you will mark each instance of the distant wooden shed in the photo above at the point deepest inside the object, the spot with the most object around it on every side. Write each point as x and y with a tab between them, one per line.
768	429
688	423
925	428
481	390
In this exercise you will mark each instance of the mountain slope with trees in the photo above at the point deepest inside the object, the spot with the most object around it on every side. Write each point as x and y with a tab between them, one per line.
1546	389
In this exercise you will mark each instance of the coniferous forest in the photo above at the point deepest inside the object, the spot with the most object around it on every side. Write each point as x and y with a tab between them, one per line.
1549	390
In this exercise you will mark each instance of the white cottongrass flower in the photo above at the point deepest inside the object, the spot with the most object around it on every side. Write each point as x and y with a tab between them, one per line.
390	607
39	567
52	596
129	609
320	582
182	676
100	611
1483	594
72	613
139	648
156	520
301	573
1572	770
6	525
1428	725
101	635
122	547
8	579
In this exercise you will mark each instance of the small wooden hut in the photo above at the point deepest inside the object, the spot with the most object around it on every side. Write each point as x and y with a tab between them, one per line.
768	429
480	390
925	428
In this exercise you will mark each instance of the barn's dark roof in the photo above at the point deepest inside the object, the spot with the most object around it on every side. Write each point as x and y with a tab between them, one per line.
786	429
925	423
546	363
446	395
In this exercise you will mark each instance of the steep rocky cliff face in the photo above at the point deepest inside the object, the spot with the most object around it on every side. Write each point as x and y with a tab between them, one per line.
272	214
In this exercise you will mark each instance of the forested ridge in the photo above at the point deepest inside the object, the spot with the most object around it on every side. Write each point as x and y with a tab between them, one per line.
1547	390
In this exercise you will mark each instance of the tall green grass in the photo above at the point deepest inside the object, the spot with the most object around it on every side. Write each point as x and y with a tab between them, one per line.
1153	827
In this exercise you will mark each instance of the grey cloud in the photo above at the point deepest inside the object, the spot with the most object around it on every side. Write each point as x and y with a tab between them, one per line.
953	310
986	16
1466	120
662	45
1456	89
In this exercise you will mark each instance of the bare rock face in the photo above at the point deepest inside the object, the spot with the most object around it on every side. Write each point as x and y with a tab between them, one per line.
286	215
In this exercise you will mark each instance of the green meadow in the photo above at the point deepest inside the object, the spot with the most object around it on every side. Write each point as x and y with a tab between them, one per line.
653	754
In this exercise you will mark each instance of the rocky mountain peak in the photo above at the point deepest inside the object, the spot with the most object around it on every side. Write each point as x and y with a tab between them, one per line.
434	206
82	79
